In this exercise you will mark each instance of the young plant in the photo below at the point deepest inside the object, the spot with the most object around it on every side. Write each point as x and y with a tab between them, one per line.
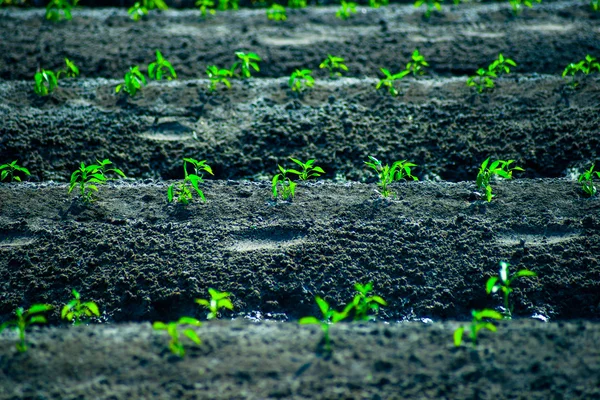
476	325
216	76
586	180
8	171
389	81
378	3
485	78
175	344
88	178
58	9
334	65
309	170
330	316
346	10
398	171
301	79
45	81
160	68
502	282
417	65
585	67
364	303
225	5
217	301
276	12
497	168
247	62
134	80
430	4
184	192
595	4
24	320
77	311
288	187
140	9
296	3
517	5
206	7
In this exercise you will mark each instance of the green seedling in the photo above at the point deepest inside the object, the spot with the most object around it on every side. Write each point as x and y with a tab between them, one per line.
206	7
45	81
175	344
77	311
190	181
497	168
595	4
389	80
585	67
430	4
502	282
89	177
140	9
334	65
364	303
276	13
309	170
330	316
161	68
134	80
301	79
225	5
296	3
218	300
346	10
247	62
8	171
417	65
24	320
218	75
282	180
378	3
386	174
476	325
586	180
517	5
59	9
485	78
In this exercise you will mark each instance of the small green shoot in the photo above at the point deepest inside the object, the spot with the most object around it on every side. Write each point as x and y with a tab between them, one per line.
417	65
301	79
282	180
517	5
140	9
206	7
175	344
296	3
45	81
497	168
485	78
595	4
59	9
89	177
378	3
364	303
246	64
77	311
217	301
386	174
389	80
134	80
24	320
586	180
276	13
502	282
225	5
476	325
184	192
161	68
8	171
335	65
430	4
218	75
309	170
346	10
585	67
330	316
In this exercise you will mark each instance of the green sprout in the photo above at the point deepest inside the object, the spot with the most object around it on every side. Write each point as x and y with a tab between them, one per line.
134	80
58	9
76	310
595	4
499	168
88	177
476	325
430	4
585	67
217	301
334	65
417	65
24	320
247	62
378	3
330	316
204	6
301	79
218	75
296	3
276	12
8	171
386	174
502	282
175	344
288	187
308	170
140	9
45	81
517	5
183	192
389	80
346	10
160	68
225	5
363	303
586	180
484	79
